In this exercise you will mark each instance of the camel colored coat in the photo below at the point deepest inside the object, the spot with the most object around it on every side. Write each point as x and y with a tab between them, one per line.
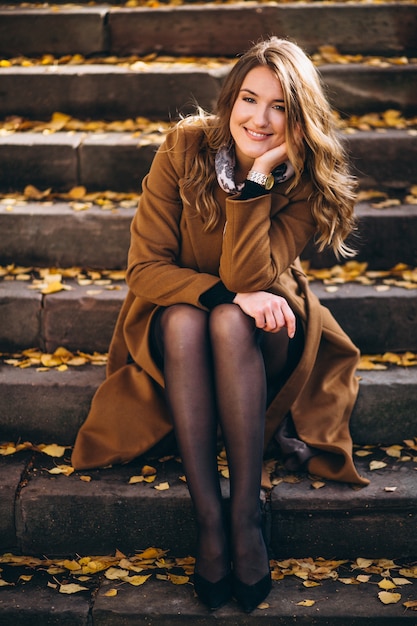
255	246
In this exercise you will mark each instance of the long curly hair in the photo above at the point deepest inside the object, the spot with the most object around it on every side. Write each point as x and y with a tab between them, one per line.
321	152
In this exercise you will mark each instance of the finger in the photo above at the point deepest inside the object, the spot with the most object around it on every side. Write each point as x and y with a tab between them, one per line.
289	317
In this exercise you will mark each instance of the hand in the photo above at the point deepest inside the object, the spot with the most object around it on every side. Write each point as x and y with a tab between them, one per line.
270	312
270	159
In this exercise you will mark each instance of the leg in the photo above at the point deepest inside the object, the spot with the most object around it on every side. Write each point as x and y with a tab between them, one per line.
241	384
187	363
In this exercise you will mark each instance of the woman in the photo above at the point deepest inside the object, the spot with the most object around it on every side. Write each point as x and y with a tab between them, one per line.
219	326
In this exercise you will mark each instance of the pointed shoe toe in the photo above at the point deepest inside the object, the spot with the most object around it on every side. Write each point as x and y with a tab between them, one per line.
250	596
213	595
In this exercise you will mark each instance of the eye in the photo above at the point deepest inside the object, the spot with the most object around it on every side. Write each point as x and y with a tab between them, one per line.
248	99
279	107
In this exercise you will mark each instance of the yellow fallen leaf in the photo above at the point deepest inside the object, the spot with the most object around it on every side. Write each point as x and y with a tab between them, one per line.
317	484
7	450
115	573
4	583
363	578
133	480
178	580
53	450
162	486
375	465
386	584
263	606
85	479
311	583
363	563
71	588
306	603
411	604
389	598
348	581
137	580
71	565
148	470
402	581
111	593
67	470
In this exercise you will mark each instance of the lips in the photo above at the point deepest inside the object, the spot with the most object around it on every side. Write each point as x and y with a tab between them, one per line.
255	135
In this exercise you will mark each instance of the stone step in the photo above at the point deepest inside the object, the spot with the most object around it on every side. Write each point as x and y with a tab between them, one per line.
119	161
159	90
162	603
50	406
83	317
228	28
56	515
48	234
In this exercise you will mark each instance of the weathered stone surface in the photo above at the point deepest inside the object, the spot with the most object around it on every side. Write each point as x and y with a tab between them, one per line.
38	234
376	321
229	30
45	407
339	520
21	311
83	318
34	32
40	160
11	472
162	91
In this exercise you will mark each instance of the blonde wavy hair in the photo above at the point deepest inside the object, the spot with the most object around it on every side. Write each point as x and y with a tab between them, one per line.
321	152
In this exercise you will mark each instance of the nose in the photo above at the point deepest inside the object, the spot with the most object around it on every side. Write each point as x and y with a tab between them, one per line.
260	117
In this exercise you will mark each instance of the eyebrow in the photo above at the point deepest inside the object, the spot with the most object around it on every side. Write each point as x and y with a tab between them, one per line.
253	93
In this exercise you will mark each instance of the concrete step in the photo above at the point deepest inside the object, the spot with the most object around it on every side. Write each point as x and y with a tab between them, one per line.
161	603
50	406
159	90
51	234
228	28
83	317
118	161
58	515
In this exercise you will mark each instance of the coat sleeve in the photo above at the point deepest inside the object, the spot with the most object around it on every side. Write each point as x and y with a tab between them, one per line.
263	237
154	271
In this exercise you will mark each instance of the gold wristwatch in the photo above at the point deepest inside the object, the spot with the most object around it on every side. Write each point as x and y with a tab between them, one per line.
266	180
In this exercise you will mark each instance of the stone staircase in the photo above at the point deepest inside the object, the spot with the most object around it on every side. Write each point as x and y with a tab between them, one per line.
131	71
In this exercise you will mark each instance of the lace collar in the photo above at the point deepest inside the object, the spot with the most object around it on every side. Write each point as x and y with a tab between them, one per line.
225	162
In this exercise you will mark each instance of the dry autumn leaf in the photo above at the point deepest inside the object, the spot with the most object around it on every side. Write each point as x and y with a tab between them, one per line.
71	588
387	597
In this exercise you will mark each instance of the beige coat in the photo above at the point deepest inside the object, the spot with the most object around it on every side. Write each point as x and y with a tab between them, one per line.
254	247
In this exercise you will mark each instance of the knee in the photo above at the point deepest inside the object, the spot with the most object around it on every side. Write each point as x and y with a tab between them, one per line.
183	321
229	323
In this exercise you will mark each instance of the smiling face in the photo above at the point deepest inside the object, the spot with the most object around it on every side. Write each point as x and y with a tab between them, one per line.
257	121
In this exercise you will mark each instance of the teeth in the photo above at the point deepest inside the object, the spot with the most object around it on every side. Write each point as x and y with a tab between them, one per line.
251	132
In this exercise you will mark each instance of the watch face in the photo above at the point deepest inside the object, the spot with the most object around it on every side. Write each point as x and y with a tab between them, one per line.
269	182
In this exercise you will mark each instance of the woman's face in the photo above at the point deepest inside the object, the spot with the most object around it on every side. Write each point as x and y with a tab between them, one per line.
257	121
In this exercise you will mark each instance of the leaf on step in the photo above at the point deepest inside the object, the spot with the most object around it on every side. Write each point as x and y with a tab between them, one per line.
52	450
136	581
115	573
178	580
376	465
386	584
110	593
306	603
162	486
67	470
387	597
411	604
71	588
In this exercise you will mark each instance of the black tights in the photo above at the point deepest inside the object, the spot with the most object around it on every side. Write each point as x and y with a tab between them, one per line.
215	372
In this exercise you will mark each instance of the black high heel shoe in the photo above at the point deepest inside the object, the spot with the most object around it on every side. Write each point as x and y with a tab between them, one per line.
251	596
214	595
